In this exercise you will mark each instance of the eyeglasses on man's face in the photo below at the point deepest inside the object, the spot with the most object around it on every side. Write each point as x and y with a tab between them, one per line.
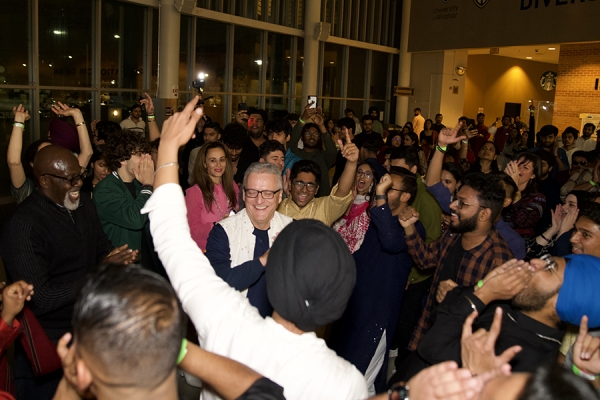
266	194
460	204
73	180
310	133
311	187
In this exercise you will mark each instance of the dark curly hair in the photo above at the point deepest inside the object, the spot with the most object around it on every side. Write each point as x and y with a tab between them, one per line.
121	145
234	135
306	166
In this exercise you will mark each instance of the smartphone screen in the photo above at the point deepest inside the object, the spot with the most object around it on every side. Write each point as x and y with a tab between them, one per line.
312	100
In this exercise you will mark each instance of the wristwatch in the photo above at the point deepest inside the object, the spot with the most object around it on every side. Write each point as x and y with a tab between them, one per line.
381	197
402	389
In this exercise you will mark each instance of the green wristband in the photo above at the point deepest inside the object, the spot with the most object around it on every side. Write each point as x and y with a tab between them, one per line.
480	283
441	149
593	183
301	121
183	351
584	374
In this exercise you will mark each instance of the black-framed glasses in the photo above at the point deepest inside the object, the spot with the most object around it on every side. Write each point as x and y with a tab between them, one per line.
72	181
266	194
366	174
311	187
460	204
582	163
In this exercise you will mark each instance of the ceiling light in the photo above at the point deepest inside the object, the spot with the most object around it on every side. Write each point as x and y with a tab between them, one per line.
529	58
112	82
331	62
70	56
24	65
259	62
117	37
49	65
551	48
57	32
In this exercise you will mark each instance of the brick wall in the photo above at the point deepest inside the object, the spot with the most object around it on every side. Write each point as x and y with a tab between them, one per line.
578	68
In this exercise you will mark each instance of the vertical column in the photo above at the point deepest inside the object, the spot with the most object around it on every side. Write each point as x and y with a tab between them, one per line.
168	51
404	65
312	16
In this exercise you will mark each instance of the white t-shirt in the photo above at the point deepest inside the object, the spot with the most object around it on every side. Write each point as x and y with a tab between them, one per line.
585	145
228	325
140	127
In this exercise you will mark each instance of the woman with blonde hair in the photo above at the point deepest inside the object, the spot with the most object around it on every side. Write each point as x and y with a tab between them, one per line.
214	194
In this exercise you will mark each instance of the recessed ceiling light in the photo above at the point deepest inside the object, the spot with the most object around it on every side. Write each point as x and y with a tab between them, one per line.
117	37
529	58
551	48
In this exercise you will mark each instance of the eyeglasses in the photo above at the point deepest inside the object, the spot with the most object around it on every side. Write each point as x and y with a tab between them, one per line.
266	194
367	175
309	134
396	139
311	187
74	180
460	204
582	163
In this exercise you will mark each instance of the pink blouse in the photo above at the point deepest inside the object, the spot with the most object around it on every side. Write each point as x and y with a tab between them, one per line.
200	218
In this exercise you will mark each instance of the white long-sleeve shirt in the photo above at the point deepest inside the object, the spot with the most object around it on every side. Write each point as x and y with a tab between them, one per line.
228	325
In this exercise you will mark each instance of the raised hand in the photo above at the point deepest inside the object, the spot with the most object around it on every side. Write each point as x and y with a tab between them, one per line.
178	129
477	349
449	136
308	112
350	152
504	282
318	119
568	221
20	113
512	170
144	173
586	350
408	217
148	104
65	111
13	300
385	183
557	218
287	182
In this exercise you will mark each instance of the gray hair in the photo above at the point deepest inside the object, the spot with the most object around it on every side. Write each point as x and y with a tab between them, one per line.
263	168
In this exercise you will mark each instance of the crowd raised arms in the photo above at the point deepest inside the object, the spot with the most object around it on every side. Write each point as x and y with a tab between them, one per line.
312	257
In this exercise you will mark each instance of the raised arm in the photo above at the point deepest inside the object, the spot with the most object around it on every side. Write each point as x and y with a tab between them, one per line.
85	145
15	147
350	153
446	138
153	131
330	148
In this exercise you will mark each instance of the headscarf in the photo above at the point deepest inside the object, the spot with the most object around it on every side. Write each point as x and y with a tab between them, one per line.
64	134
577	296
310	274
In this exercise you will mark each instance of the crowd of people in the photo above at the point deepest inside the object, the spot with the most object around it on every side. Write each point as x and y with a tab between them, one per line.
301	257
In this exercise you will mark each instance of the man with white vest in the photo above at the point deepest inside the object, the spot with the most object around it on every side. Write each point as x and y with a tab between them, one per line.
238	246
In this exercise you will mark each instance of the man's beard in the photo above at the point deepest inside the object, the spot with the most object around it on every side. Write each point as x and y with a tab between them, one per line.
69	204
532	299
466	225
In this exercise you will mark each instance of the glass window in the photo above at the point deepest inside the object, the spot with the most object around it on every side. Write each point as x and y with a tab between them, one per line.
12	98
356	73
184	46
358	106
276	107
154	76
247	61
114	106
332	70
278	64
211	50
214	107
73	98
299	66
65	43
251	101
122	57
14	61
379	75
332	108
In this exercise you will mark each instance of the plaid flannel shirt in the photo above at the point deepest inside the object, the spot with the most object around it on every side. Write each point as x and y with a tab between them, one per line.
475	264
